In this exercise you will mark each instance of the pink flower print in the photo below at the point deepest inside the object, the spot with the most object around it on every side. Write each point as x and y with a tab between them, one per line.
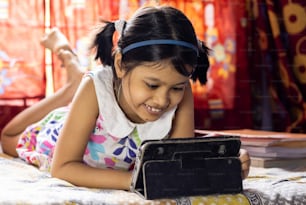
110	162
95	146
28	138
99	126
95	139
98	138
46	148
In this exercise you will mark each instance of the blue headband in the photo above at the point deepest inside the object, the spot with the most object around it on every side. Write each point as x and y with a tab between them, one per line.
160	42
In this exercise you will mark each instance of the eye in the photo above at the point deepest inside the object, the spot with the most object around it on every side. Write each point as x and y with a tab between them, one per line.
152	86
179	88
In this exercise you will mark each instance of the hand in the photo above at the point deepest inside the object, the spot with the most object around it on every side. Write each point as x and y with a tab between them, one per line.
245	163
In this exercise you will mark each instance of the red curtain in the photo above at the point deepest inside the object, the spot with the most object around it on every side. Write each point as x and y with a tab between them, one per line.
224	102
279	65
22	75
262	59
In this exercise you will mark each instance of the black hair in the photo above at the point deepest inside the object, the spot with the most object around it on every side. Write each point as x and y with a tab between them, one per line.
151	23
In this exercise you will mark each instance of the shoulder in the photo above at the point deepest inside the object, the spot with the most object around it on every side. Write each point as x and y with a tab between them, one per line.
100	72
86	89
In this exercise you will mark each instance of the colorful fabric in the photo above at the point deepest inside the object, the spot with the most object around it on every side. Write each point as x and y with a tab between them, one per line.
114	141
114	132
37	142
278	72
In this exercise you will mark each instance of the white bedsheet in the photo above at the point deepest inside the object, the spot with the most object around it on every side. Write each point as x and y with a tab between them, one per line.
21	183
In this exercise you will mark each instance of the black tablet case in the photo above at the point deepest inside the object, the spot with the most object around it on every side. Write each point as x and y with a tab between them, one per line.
188	167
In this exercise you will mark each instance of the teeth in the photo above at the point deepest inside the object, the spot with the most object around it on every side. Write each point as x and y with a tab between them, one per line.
152	109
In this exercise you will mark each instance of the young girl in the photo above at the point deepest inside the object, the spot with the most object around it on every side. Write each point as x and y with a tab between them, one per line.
142	91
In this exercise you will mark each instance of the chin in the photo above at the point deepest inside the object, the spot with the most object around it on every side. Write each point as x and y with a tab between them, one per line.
151	119
148	117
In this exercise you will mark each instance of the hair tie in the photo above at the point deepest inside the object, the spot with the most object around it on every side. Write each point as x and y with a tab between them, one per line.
119	25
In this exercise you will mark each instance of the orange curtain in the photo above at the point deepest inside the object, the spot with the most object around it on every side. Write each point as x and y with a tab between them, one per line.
22	74
21	56
76	19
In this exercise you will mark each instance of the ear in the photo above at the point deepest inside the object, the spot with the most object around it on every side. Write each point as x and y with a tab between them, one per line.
118	66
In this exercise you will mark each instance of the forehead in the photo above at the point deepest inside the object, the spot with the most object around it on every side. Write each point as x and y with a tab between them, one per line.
159	71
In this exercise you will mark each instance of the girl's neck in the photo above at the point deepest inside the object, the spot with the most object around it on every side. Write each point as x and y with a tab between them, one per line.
121	102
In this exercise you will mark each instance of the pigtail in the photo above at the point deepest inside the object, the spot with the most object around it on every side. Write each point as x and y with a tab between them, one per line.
200	71
103	43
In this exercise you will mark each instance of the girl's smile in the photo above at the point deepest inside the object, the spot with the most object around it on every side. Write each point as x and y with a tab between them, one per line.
153	110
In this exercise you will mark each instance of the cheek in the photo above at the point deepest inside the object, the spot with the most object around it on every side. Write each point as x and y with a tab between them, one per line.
176	98
136	94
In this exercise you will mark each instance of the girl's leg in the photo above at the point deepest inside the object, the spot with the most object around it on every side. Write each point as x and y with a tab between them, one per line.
11	132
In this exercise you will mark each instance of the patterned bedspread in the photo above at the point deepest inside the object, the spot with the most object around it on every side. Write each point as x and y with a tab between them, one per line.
21	183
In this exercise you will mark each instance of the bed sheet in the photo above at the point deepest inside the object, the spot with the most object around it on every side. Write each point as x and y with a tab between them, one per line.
21	183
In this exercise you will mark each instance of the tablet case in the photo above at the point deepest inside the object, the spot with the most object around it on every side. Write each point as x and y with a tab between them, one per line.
188	167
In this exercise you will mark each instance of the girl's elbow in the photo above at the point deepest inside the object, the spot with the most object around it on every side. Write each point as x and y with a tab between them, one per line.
55	171
9	144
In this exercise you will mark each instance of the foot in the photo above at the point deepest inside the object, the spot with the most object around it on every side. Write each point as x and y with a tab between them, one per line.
55	40
72	66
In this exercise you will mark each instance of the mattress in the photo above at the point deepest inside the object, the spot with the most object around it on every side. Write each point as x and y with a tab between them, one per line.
21	183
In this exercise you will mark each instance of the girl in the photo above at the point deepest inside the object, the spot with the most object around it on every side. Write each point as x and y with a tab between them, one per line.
142	91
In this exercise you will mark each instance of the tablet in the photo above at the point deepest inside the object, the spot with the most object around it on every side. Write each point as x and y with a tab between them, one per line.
187	167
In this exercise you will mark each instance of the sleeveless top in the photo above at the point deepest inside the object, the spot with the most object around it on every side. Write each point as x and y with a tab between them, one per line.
113	143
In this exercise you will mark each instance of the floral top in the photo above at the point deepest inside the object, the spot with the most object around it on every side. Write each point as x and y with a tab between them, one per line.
114	141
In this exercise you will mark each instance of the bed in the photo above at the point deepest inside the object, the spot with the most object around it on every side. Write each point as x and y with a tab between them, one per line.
21	183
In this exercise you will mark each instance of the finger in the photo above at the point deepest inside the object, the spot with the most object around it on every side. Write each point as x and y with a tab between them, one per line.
245	168
244	155
245	163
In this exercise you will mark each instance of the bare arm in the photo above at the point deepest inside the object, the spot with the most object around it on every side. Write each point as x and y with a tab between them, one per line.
183	125
68	157
11	132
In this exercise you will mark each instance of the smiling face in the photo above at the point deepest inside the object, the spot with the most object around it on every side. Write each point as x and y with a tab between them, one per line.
150	90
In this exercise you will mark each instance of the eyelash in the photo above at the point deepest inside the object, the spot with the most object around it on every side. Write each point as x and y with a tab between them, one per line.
179	89
151	86
156	86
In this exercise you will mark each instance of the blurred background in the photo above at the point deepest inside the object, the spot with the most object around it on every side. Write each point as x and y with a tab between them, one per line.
257	77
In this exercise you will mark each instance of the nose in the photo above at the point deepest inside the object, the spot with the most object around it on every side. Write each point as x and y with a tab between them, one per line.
161	99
